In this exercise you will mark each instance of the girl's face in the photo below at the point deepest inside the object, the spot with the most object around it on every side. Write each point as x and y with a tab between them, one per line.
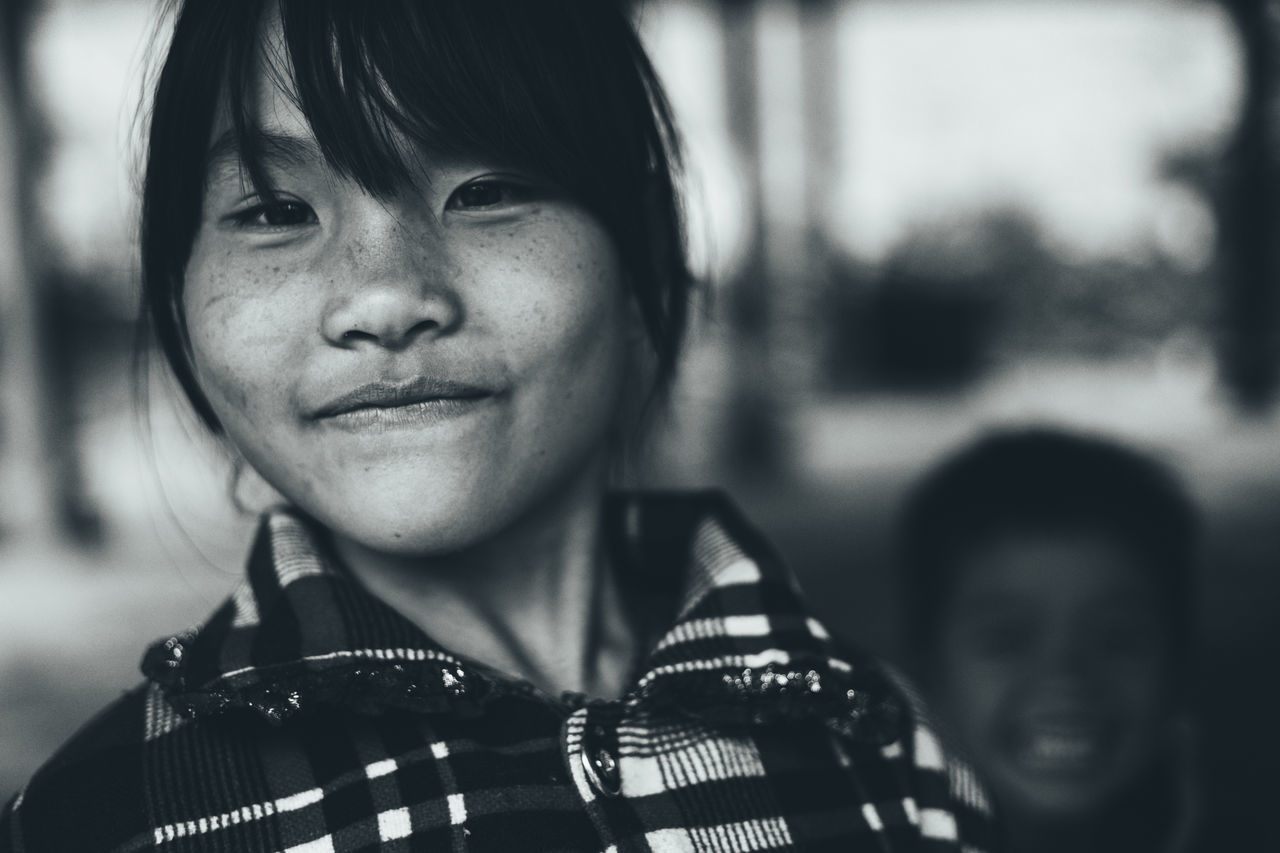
416	372
1052	671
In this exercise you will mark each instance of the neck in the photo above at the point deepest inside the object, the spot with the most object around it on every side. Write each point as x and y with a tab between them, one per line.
1155	813
536	600
1034	836
1095	833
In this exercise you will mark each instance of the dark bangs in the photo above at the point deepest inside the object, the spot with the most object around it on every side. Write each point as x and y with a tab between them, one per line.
560	88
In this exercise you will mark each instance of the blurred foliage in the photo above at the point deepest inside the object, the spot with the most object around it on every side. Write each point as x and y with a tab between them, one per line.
957	295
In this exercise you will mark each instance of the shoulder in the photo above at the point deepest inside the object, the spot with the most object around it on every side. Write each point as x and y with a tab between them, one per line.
944	797
90	795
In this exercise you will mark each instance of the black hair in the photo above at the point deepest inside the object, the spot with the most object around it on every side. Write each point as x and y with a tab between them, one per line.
1042	480
561	88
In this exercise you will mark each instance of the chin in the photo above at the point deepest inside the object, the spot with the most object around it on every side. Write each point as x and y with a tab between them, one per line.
401	515
412	524
1057	802
1065	799
404	535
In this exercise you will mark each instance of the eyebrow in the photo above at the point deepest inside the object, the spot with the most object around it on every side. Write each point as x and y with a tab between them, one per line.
273	149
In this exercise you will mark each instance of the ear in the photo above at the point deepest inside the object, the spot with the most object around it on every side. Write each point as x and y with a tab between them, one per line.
641	356
637	333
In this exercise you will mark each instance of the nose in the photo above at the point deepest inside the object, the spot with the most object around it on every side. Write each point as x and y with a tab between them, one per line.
388	318
1068	655
392	285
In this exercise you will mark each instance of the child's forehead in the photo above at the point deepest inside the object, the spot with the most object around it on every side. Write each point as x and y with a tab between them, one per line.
1062	566
226	159
350	116
275	133
272	128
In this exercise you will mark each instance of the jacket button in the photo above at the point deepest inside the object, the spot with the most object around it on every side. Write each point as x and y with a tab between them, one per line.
601	767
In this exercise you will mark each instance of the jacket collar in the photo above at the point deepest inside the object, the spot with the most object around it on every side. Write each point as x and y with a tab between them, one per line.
301	634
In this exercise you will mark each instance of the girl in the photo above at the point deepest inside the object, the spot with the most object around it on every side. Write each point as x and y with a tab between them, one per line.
420	264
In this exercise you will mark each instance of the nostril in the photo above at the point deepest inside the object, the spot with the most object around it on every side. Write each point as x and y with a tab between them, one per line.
425	325
384	317
390	336
352	336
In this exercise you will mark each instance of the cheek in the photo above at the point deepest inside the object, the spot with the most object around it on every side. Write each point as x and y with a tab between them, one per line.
561	305
1139	689
978	687
234	325
973	692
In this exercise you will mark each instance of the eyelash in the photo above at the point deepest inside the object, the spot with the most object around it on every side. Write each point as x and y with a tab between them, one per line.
512	191
245	218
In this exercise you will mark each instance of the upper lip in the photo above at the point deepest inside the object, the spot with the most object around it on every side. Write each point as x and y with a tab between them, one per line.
390	393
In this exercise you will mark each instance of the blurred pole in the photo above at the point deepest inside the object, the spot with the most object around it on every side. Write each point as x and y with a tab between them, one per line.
1250	227
780	57
794	76
820	45
30	500
753	437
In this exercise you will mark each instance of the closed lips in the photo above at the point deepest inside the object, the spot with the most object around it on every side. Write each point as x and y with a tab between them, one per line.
391	395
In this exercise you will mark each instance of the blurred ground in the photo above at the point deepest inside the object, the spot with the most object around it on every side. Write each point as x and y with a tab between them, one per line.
72	629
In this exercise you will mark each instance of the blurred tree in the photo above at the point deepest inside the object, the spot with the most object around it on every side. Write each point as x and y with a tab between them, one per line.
25	453
39	451
961	293
1248	215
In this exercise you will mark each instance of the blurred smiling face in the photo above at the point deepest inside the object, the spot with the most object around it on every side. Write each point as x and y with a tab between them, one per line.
1052	672
415	371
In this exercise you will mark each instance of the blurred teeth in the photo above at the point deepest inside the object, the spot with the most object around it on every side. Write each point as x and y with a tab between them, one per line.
1061	746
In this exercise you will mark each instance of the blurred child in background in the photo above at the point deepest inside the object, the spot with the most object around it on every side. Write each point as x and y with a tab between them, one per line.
1048	580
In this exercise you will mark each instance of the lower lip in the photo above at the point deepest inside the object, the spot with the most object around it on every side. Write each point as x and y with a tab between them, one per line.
377	419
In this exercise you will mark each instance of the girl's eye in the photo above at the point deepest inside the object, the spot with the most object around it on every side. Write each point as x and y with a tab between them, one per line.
279	214
487	194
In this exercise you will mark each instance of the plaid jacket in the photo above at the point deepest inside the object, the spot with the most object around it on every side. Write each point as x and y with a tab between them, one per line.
308	716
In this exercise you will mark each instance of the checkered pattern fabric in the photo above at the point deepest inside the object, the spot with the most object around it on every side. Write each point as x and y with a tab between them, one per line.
306	716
